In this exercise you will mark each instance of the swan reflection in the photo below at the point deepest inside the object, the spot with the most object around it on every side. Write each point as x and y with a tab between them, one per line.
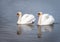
24	28
28	29
42	29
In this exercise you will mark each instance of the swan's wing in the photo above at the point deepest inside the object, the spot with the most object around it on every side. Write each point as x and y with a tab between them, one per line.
23	19
24	16
50	20
43	18
27	18
30	19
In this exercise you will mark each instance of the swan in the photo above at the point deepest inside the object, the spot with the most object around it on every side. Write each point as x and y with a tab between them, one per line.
25	19
45	19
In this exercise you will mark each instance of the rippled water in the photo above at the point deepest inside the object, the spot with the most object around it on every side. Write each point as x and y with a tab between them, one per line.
11	32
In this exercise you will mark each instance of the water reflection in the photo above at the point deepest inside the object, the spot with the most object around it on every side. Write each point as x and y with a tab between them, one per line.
24	28
39	32
42	29
29	28
19	30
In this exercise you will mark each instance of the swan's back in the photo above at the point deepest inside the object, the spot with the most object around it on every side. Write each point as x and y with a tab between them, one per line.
31	18
44	18
48	20
27	18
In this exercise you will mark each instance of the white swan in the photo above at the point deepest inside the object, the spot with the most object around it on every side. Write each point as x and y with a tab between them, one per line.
45	19
25	19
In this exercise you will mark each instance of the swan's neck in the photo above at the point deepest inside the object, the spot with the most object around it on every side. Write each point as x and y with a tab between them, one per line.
19	19
39	20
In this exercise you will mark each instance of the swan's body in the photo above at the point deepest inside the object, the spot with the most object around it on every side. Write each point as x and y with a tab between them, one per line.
25	19
45	19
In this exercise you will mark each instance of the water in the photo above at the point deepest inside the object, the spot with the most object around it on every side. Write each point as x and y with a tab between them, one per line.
11	32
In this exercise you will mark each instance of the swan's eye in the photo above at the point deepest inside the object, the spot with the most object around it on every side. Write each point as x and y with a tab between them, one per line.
38	14
17	14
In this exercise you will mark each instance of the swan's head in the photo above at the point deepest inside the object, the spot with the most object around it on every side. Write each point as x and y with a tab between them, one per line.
19	14
40	13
